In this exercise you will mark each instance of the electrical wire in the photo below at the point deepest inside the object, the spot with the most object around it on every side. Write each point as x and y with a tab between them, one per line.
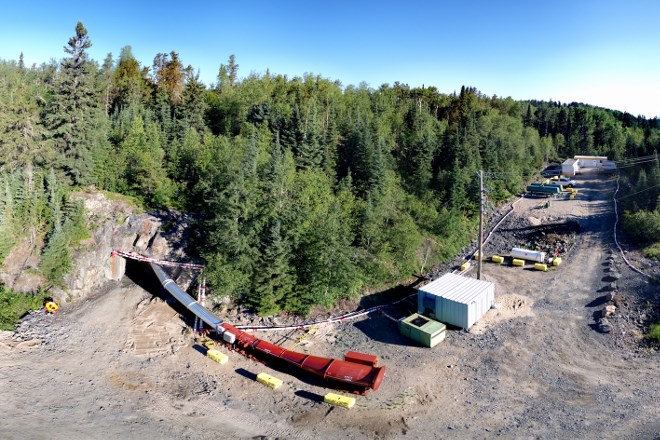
616	222
636	159
637	192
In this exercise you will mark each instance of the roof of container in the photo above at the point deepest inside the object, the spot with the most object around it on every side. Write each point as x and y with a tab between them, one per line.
591	157
457	288
569	161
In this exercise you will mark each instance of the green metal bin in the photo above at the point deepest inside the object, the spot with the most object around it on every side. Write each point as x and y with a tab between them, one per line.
423	329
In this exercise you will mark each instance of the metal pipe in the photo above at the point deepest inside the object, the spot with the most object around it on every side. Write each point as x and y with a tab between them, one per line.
209	318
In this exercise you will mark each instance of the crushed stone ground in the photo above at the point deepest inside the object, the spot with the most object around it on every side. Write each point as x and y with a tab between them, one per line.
122	364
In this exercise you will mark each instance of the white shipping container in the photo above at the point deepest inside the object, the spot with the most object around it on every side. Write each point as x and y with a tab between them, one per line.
456	300
590	161
570	167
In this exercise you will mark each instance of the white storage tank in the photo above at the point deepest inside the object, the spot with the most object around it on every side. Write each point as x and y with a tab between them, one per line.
525	254
456	300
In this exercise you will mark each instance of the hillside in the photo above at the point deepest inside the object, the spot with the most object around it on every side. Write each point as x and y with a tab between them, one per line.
122	363
337	190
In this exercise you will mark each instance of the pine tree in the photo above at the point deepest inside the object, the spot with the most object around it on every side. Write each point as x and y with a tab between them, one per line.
193	107
105	82
233	70
71	109
129	84
274	280
169	76
144	155
22	136
56	259
230	244
54	201
308	152
7	229
291	133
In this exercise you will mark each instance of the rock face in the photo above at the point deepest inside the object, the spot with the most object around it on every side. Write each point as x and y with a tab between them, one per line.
113	224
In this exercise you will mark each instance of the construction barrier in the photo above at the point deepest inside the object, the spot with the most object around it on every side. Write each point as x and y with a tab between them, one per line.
269	381
465	266
144	259
518	262
497	259
541	266
338	400
556	261
217	356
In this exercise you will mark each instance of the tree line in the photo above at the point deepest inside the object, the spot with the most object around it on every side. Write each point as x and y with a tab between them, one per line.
305	191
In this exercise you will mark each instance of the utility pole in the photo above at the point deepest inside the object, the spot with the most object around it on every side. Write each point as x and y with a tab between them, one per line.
481	222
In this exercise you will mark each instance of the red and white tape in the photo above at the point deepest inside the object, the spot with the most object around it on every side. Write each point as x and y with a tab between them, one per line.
138	257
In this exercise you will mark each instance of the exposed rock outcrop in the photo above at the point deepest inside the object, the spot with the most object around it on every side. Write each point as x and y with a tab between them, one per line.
114	223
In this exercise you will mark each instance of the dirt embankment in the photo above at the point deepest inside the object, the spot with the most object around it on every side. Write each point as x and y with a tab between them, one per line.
121	364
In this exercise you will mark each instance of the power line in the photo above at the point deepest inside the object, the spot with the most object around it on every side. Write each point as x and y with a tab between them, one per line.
633	164
635	159
638	192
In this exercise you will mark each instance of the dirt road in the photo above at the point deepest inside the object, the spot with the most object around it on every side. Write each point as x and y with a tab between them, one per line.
122	365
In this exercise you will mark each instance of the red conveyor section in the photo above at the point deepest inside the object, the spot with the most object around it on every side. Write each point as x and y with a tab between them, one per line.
341	374
357	373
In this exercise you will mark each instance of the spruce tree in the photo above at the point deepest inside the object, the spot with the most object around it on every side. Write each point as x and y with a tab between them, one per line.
274	280
309	153
7	229
193	107
69	115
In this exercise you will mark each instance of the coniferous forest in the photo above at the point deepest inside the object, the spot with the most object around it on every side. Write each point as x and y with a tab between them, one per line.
305	191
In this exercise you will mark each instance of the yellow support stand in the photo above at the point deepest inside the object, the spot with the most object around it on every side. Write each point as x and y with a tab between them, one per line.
497	259
541	266
269	381
210	344
465	266
310	332
556	261
518	262
217	356
338	400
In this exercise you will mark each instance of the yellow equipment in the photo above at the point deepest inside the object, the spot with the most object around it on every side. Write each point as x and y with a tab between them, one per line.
217	356
51	307
339	400
269	381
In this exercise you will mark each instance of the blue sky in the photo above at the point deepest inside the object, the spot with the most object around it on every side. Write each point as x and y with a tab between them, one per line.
603	53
